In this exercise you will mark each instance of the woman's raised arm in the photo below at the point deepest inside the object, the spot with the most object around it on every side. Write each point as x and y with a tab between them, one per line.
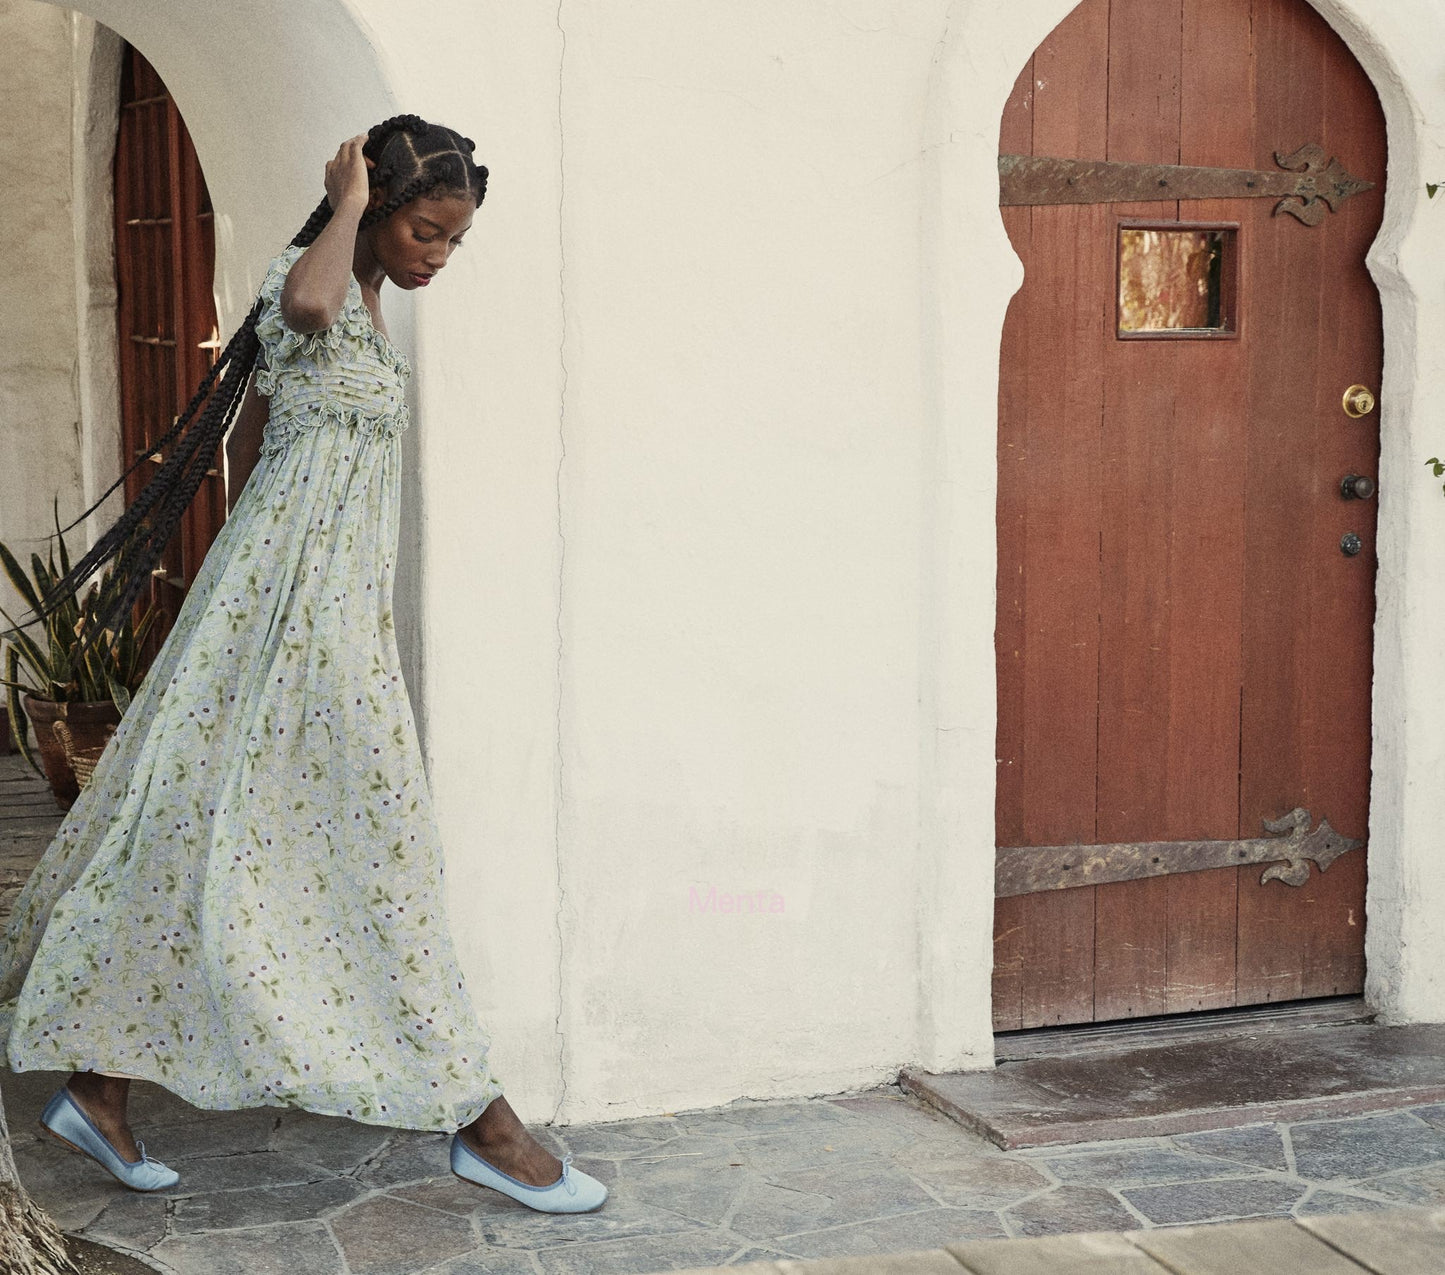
315	288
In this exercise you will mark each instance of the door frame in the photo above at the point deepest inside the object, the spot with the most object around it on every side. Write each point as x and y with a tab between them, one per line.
971	272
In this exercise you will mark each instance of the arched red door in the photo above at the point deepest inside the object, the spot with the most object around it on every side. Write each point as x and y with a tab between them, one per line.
1185	590
165	314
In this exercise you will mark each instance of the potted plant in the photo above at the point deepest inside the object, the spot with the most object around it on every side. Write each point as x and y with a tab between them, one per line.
49	678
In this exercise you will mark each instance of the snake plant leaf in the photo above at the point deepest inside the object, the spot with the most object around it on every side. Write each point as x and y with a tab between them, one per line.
70	658
43	575
58	674
23	644
125	649
17	577
120	697
60	539
19	724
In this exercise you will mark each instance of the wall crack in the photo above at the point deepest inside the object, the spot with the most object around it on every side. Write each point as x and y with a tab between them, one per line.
559	790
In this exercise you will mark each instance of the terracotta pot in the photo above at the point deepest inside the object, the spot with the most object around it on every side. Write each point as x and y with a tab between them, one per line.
87	722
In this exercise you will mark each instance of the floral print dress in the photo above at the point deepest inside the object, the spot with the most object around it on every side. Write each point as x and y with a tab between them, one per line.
246	903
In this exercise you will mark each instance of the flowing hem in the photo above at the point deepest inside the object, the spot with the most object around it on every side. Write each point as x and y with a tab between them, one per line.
319	1099
316	1100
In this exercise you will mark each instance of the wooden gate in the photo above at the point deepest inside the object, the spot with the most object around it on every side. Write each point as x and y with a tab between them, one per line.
165	314
1185	515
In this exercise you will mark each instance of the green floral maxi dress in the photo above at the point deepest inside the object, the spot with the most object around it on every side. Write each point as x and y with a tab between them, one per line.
246	905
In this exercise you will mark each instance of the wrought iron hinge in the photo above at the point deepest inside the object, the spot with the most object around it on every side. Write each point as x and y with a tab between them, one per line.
1306	183
1030	869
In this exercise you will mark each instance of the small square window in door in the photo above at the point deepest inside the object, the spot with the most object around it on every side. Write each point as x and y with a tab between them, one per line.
1177	281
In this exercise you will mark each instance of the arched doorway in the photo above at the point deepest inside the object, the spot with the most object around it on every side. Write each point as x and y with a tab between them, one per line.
1184	625
167	334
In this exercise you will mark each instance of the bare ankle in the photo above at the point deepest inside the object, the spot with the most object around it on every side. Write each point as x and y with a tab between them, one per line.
99	1092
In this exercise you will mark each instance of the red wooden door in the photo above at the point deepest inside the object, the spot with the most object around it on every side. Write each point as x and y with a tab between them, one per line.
165	314
1184	649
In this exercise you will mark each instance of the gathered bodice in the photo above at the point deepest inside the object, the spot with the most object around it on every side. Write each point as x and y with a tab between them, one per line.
348	375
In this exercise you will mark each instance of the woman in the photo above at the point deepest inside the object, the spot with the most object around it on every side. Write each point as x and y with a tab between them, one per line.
245	904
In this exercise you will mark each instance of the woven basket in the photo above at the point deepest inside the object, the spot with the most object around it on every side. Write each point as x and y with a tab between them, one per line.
82	757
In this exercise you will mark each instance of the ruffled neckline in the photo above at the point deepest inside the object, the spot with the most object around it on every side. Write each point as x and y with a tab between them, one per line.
384	342
360	315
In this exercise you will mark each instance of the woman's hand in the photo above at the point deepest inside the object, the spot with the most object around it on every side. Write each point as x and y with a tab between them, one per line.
316	284
346	179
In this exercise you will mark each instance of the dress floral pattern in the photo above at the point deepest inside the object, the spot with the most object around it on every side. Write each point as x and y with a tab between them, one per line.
246	903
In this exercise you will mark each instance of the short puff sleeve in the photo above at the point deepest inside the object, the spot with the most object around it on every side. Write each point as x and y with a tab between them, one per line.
283	348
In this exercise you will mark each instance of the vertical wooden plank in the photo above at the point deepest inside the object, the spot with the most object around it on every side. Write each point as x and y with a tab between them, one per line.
1015	137
196	274
1140	390
1338	666
184	547
1009	945
1207	547
1295	574
1144	52
1063	297
124	202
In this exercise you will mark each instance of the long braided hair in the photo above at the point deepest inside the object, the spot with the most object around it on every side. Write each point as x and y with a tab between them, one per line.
412	158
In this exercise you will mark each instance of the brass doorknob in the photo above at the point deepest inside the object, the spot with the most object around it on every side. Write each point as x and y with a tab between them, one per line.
1358	401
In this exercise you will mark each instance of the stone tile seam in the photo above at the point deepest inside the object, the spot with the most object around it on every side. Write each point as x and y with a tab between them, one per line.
1241	1173
338	1246
863	1221
145	1259
1222	1219
140	1254
324	1216
1132	1209
942	1203
1391	1173
1363	1198
726	1220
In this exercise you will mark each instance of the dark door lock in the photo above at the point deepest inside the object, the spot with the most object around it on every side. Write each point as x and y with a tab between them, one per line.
1357	487
1350	544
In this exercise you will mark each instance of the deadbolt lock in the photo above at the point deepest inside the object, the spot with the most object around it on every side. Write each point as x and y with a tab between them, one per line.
1358	401
1350	544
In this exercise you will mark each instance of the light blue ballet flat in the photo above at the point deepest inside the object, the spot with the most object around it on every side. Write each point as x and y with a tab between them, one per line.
64	1120
573	1192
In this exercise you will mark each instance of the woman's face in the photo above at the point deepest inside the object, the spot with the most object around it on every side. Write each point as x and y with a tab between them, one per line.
418	238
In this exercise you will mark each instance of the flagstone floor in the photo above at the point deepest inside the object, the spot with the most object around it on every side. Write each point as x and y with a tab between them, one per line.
870	1174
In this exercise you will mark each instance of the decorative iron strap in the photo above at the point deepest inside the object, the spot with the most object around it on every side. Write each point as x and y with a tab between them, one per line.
1306	183
1030	869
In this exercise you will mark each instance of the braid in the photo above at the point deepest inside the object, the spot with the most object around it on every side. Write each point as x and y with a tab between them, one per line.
315	224
411	158
379	134
417	186
139	536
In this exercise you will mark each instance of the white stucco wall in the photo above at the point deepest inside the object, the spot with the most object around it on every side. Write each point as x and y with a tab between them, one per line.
704	481
40	453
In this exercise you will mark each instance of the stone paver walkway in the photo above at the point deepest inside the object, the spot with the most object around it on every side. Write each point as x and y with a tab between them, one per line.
876	1173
